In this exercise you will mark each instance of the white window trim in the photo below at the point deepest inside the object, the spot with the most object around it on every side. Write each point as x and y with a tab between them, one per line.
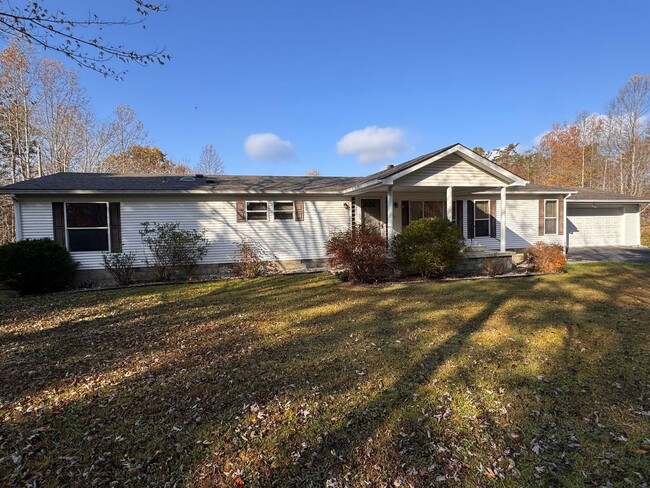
557	216
489	213
293	210
107	228
246	202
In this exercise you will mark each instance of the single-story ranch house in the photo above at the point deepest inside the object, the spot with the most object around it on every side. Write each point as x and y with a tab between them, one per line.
291	217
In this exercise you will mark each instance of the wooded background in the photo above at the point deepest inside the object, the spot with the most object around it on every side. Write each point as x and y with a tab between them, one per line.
47	125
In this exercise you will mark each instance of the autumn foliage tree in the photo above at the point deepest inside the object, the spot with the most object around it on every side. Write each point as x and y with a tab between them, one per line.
143	160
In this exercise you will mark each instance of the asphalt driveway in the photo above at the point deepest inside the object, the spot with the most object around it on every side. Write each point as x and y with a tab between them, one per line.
610	254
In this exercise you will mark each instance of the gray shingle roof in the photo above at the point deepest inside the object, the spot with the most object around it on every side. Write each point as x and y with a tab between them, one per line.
588	195
577	194
113	183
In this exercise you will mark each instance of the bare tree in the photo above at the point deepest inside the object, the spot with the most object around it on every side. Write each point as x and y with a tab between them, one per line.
125	132
210	162
629	130
80	39
313	172
63	114
18	95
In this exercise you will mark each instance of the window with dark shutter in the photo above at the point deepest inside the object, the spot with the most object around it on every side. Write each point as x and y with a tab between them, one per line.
58	223
459	214
300	210
87	226
115	219
241	211
257	211
482	218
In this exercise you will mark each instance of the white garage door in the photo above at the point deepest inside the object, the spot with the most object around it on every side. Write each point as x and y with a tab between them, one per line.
594	226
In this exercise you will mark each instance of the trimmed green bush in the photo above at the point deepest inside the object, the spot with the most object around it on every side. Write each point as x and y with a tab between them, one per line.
36	266
429	246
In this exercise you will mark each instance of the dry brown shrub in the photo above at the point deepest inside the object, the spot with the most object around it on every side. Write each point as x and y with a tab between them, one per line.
546	258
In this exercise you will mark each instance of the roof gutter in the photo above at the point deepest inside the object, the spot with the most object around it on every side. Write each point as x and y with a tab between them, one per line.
362	186
163	192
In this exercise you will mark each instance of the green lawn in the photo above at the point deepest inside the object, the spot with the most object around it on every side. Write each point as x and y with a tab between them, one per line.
304	381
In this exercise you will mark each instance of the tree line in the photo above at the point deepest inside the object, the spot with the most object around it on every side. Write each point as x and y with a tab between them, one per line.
609	151
48	125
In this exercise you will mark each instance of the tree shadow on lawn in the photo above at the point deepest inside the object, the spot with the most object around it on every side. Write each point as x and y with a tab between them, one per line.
321	382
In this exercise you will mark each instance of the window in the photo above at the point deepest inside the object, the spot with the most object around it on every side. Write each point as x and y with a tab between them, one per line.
427	209
550	216
283	211
482	218
87	226
256	211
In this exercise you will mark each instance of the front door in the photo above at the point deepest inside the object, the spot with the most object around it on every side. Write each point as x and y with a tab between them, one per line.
371	212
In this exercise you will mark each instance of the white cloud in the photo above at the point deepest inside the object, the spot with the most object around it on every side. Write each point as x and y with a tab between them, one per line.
373	144
269	147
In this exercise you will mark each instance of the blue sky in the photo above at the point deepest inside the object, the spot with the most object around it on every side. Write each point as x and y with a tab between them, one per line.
403	77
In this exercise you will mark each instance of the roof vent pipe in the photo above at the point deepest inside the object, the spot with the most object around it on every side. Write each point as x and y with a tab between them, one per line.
390	166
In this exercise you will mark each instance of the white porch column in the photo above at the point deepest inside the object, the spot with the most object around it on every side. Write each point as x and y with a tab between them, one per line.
504	228
389	213
450	203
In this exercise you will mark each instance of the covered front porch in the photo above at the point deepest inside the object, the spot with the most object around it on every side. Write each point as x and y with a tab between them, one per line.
481	216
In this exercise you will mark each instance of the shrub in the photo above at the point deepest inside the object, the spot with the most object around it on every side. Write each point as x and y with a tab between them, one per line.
249	261
36	266
429	246
172	250
546	258
361	252
120	266
493	267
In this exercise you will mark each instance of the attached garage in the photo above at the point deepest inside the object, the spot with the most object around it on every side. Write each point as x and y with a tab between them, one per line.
600	226
604	219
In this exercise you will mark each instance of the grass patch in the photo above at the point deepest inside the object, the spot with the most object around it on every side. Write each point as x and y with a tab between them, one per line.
303	381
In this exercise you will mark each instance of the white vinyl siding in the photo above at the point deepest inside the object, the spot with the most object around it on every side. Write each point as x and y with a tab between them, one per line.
36	217
449	171
290	241
632	226
521	219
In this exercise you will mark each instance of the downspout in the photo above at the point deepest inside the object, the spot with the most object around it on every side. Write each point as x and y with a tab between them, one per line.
18	221
566	226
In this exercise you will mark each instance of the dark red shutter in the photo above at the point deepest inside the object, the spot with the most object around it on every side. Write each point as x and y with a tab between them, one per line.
58	223
406	218
493	218
470	219
540	226
116	226
459	215
241	211
300	210
560	219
